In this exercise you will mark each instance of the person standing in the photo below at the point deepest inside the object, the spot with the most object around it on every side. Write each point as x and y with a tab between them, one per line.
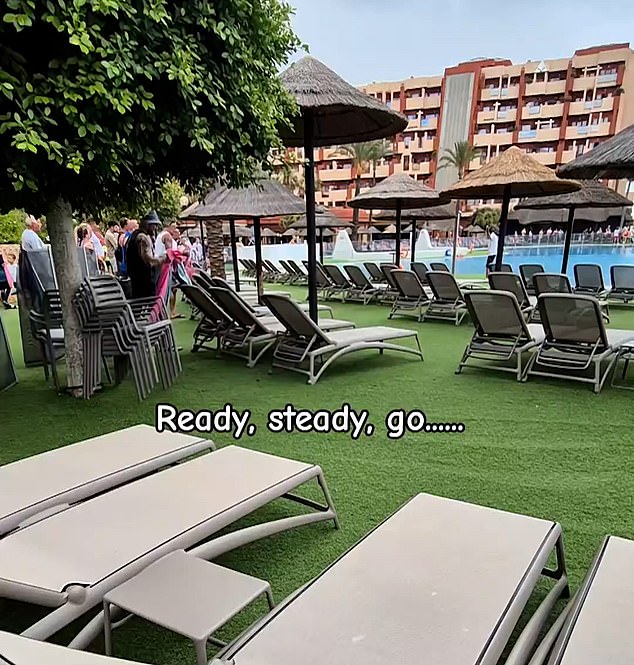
111	243
492	252
197	256
6	283
30	240
141	262
128	227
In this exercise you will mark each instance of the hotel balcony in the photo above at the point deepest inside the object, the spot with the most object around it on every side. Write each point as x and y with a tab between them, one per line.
398	167
500	116
382	170
532	135
543	111
545	158
425	145
335	195
431	102
512	92
581	108
484	140
607	80
545	88
586	83
421	167
588	131
568	156
422	123
332	175
414	103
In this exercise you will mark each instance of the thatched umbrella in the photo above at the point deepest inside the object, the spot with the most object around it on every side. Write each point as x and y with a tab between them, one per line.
390	229
593	194
398	192
559	216
264	198
331	112
473	229
513	174
324	219
612	159
239	230
369	231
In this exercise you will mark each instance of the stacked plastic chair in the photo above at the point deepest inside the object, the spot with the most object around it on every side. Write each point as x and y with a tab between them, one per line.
136	333
48	329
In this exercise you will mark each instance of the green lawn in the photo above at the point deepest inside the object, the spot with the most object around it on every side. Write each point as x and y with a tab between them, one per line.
551	449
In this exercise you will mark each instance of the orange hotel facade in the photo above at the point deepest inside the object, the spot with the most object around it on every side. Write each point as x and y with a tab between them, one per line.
553	109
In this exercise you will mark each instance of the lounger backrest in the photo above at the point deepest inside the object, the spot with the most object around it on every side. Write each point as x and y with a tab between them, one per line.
527	270
358	277
551	283
408	284
496	314
439	267
336	276
201	300
444	286
322	277
293	318
622	278
374	271
203	280
504	281
506	267
236	308
296	267
386	269
421	270
588	276
572	319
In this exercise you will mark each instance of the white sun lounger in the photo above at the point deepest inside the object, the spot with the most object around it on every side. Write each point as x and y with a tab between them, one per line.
17	650
71	559
309	349
38	485
440	582
597	627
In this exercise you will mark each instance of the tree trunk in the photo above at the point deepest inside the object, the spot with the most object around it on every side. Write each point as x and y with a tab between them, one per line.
357	191
59	222
215	248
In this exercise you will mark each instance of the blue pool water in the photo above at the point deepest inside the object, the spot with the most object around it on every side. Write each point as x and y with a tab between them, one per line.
550	258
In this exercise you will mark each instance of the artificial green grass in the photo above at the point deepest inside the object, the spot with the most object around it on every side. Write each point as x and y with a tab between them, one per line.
551	449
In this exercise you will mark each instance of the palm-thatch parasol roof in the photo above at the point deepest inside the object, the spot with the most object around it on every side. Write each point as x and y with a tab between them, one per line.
268	233
592	194
390	229
559	216
513	173
323	218
472	228
438	212
398	191
290	232
370	230
264	198
340	112
613	158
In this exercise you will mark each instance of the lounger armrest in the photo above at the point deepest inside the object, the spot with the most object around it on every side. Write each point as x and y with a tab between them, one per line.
31	594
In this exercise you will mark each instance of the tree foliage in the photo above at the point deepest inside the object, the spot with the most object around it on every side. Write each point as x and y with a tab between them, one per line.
11	226
487	218
459	157
98	97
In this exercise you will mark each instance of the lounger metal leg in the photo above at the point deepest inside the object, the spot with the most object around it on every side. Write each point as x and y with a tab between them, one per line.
321	479
107	629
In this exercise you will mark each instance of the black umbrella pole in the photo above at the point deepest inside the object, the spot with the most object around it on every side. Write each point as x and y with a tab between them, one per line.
257	236
311	239
234	253
412	252
568	240
454	246
506	201
321	245
397	252
202	242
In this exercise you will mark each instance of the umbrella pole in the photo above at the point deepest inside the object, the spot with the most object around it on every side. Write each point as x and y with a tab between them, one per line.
506	201
454	249
397	252
568	240
234	253
202	242
257	236
309	180
412	251
321	245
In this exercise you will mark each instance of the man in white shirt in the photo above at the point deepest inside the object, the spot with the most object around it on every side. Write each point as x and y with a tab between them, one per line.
30	241
492	253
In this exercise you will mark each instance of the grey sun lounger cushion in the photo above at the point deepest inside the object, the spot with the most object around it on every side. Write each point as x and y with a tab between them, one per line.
599	623
73	557
441	582
16	650
71	473
342	338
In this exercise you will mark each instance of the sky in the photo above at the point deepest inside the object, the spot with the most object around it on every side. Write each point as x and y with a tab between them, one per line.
388	40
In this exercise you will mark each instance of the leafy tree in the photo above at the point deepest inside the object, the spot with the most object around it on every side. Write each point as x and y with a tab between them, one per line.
11	226
165	199
102	99
459	157
364	155
288	170
487	218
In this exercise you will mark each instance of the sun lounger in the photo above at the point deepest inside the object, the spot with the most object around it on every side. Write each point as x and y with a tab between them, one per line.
448	301
505	281
577	345
390	293
559	283
440	582
622	278
501	335
376	274
527	272
596	627
309	349
340	285
439	267
213	320
69	560
361	287
589	280
412	299
43	484
420	270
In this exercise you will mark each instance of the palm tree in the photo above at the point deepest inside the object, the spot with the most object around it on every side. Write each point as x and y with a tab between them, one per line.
364	155
459	157
215	248
287	171
487	218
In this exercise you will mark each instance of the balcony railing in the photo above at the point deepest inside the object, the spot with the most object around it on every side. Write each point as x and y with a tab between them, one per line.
607	79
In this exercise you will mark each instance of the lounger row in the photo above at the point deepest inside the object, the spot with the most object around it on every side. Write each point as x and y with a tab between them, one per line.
570	342
282	326
440	581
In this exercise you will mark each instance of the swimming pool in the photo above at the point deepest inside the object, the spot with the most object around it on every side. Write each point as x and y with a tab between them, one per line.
550	258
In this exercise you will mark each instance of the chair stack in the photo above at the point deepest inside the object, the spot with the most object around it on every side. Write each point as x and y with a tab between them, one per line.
136	333
48	329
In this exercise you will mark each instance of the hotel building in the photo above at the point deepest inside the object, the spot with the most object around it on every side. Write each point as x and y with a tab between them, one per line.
553	109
